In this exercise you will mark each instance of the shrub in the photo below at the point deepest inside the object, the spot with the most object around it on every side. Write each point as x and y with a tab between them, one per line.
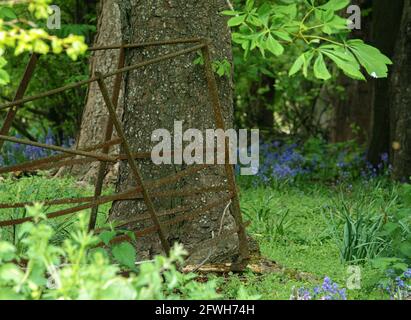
76	270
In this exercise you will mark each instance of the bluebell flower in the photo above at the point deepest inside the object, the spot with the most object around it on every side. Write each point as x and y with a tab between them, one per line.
327	291
385	157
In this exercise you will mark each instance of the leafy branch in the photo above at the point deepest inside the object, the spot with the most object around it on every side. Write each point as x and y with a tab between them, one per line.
25	36
317	29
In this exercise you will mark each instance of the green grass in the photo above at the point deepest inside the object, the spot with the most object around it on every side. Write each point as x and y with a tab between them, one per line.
287	221
307	245
43	187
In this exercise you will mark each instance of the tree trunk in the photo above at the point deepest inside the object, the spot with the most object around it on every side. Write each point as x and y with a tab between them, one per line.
386	26
401	100
175	90
261	114
95	115
352	113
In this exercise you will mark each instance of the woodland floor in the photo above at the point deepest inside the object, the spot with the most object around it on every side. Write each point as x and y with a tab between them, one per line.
288	220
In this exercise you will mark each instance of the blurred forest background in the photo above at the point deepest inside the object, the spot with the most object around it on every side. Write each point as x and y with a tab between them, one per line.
303	109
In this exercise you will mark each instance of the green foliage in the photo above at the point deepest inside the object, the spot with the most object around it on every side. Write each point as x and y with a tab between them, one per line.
397	233
21	36
316	29
59	113
38	188
125	254
305	253
267	222
76	271
373	228
221	68
356	230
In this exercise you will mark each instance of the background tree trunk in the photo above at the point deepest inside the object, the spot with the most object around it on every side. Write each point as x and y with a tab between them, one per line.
174	90
386	26
95	115
354	110
401	100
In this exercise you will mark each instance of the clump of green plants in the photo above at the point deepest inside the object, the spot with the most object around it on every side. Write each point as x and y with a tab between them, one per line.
372	228
356	230
267	222
77	270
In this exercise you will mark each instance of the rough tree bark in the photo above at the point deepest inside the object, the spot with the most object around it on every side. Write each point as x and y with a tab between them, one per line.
174	90
401	100
95	114
386	26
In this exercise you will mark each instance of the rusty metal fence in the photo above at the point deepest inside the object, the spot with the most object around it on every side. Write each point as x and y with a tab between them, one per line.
145	190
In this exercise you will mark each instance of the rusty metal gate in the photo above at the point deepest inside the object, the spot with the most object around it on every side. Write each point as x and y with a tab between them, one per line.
145	190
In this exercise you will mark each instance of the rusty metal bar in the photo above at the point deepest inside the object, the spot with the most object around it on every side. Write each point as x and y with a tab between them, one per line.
59	161
68	211
144	217
107	136
147	44
21	90
132	163
127	195
96	200
54	160
53	202
108	75
217	109
101	157
188	192
177	176
187	217
83	161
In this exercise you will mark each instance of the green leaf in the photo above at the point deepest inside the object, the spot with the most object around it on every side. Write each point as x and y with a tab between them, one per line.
249	5
298	64
344	60
125	254
274	46
254	20
3	62
236	21
7	251
308	57
4	77
9	272
290	11
230	13
336	25
107	236
8	13
335	5
370	58
320	68
282	35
